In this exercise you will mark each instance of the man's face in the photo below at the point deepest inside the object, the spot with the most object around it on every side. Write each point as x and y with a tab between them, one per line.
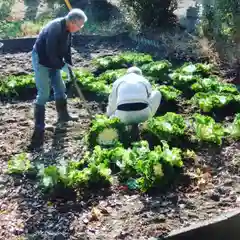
76	26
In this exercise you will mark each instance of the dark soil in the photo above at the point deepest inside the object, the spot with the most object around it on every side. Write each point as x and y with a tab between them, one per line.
117	214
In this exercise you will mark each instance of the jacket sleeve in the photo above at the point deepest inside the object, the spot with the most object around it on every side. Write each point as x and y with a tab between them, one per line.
68	55
53	36
147	85
112	99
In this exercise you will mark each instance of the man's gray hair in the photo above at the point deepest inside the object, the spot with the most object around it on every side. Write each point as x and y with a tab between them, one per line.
135	70
76	14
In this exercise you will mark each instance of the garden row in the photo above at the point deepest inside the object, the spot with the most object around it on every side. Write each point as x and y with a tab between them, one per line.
140	166
196	83
180	131
166	141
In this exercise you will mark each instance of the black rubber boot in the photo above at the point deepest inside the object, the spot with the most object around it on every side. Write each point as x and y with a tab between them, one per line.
38	134
63	115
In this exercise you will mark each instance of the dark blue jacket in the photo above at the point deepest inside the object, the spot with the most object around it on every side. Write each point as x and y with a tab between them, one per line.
53	44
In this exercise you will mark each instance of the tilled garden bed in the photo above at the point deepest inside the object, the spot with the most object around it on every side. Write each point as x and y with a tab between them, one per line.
113	213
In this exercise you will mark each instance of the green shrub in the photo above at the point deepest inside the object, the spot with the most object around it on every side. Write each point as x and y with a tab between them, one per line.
152	12
5	9
221	19
221	25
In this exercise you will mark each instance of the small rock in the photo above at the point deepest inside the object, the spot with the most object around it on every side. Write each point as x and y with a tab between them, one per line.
91	230
183	219
173	198
147	215
182	206
164	210
59	237
160	219
233	198
224	190
215	196
17	182
193	215
95	214
51	210
156	204
3	179
182	201
106	211
228	182
190	205
51	225
164	204
3	193
81	235
123	235
18	231
85	220
225	203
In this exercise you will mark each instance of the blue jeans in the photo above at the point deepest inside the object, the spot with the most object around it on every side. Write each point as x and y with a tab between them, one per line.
45	78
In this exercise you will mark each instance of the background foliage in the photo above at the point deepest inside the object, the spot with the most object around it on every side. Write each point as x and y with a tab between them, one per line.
152	12
221	24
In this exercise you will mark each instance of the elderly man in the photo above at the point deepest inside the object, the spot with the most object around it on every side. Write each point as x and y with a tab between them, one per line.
132	99
52	53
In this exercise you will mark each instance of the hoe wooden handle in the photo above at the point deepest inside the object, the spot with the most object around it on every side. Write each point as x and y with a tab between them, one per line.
80	94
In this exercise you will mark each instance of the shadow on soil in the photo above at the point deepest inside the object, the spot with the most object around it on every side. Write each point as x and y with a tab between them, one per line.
59	136
51	216
54	213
